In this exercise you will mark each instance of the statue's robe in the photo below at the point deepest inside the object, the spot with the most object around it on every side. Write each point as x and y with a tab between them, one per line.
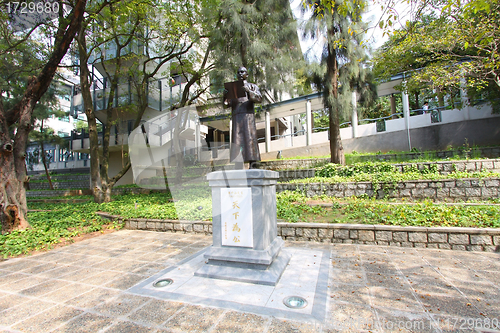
244	132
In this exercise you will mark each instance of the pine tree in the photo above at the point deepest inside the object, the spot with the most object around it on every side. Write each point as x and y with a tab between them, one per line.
260	35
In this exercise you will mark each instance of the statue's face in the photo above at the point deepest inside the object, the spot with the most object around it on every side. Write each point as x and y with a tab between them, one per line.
242	73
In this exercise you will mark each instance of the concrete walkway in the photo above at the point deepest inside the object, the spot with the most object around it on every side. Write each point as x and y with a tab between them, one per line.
83	288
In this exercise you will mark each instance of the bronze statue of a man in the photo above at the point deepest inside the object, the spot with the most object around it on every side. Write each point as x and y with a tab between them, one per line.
241	96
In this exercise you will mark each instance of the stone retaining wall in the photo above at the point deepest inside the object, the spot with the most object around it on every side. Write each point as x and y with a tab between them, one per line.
484	152
443	167
464	239
56	193
59	185
65	193
58	177
438	190
293	164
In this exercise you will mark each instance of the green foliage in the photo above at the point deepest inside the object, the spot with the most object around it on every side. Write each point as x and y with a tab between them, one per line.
260	35
62	222
331	170
385	173
427	214
291	206
461	42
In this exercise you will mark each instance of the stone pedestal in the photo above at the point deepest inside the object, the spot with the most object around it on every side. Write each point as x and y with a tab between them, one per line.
244	226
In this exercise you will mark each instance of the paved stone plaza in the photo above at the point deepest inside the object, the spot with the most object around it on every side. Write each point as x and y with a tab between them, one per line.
87	287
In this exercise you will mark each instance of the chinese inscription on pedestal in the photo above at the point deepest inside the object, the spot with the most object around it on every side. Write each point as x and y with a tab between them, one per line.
236	217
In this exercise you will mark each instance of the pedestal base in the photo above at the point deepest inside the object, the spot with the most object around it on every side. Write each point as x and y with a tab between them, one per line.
246	255
244	272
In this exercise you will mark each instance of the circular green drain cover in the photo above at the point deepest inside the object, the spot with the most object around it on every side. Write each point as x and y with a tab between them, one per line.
295	302
163	283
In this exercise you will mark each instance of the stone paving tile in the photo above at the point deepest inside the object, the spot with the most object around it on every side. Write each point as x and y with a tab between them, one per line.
402	321
9	277
194	319
122	305
155	312
23	283
46	256
156	256
490	276
443	263
168	250
127	265
380	267
48	320
8	301
150	269
285	326
184	254
93	298
400	300
81	274
347	277
482	265
390	281
22	311
133	255
351	265
444	305
109	263
406	251
102	278
464	275
110	253
44	288
420	272
126	326
369	256
151	247
58	271
434	286
348	317
474	290
17	265
350	293
126	281
87	322
89	261
41	268
245	322
489	308
71	259
69	291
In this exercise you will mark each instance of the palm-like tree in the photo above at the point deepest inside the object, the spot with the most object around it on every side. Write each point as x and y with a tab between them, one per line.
343	68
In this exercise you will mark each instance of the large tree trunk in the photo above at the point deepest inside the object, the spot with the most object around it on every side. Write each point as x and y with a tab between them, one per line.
336	148
95	179
12	154
332	72
44	160
13	206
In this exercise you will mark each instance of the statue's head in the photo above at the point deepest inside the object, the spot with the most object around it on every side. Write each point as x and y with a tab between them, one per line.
242	73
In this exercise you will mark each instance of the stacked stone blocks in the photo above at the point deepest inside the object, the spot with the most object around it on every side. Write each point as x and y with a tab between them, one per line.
451	238
437	190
